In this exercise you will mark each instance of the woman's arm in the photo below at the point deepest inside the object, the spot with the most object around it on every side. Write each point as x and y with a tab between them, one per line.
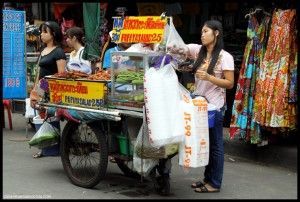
227	82
61	64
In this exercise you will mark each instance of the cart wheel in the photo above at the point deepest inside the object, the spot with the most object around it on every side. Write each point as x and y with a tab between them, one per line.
127	168
84	153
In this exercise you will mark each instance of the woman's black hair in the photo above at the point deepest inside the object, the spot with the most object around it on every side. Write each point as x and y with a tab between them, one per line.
54	30
214	25
77	32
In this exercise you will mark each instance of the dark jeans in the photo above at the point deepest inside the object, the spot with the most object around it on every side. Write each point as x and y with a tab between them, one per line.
51	151
214	170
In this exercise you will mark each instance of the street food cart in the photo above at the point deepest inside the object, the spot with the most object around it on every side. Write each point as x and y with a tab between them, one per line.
106	116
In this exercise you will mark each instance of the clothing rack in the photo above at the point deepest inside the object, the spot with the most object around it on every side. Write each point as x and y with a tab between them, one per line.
256	11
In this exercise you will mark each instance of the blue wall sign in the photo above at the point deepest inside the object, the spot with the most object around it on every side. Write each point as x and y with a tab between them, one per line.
14	63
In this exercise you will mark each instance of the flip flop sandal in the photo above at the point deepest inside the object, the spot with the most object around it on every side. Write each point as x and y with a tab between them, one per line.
37	155
112	160
198	184
203	189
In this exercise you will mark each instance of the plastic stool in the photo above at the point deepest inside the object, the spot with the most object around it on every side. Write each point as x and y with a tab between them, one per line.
7	105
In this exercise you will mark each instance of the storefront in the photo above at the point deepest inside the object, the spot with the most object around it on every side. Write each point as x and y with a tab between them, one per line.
188	19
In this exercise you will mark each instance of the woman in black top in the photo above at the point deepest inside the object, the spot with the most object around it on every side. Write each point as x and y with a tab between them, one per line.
53	60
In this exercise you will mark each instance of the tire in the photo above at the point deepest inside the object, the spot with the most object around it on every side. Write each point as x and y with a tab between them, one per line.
86	143
126	169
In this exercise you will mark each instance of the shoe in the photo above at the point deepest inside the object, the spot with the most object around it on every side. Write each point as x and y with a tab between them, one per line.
162	185
112	160
166	188
203	189
158	184
37	155
198	184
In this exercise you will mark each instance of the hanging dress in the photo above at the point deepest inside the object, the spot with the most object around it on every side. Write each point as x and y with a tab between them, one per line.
242	112
272	107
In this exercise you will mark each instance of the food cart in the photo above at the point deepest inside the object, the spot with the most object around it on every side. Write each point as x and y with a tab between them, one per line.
108	115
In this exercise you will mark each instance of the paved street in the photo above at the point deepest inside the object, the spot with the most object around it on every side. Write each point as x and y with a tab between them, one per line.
25	177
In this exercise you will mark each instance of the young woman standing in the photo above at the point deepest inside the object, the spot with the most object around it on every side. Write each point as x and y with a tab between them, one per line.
52	60
214	72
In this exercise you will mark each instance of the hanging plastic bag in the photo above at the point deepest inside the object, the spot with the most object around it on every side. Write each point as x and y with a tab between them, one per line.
175	45
144	149
141	165
30	112
194	151
46	136
162	99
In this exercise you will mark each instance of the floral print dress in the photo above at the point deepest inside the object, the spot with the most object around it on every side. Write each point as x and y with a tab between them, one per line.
242	112
276	86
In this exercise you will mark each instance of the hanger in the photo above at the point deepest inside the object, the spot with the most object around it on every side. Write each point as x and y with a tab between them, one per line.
257	9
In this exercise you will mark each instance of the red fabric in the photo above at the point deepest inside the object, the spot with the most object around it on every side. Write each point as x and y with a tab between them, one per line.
64	113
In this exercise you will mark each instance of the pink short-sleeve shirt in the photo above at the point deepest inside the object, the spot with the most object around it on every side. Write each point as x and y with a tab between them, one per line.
214	94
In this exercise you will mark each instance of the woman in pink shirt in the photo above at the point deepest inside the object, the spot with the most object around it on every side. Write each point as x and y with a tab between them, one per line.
214	72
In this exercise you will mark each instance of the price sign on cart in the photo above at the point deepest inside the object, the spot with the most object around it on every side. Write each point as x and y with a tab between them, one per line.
145	29
13	46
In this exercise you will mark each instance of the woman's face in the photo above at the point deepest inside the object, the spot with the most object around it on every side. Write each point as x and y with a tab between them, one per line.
46	36
208	36
71	41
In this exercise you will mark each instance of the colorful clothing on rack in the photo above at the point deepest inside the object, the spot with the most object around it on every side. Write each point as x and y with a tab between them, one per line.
293	64
275	83
242	121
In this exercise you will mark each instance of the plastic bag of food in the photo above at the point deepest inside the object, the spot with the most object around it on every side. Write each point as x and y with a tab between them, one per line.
142	147
185	66
175	45
46	136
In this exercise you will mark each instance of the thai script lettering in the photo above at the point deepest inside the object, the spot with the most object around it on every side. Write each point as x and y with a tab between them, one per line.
60	87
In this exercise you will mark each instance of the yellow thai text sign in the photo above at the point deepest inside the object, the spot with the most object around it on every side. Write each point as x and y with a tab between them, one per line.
145	29
88	94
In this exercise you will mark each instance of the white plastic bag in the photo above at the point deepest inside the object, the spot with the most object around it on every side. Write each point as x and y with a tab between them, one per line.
46	136
162	101
194	151
30	112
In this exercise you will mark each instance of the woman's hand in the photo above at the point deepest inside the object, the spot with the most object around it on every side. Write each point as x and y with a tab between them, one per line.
203	75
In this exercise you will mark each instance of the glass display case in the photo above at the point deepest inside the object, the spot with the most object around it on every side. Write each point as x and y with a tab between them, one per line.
127	79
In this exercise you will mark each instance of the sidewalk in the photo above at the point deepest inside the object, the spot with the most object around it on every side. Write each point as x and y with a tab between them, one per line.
26	177
282	152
